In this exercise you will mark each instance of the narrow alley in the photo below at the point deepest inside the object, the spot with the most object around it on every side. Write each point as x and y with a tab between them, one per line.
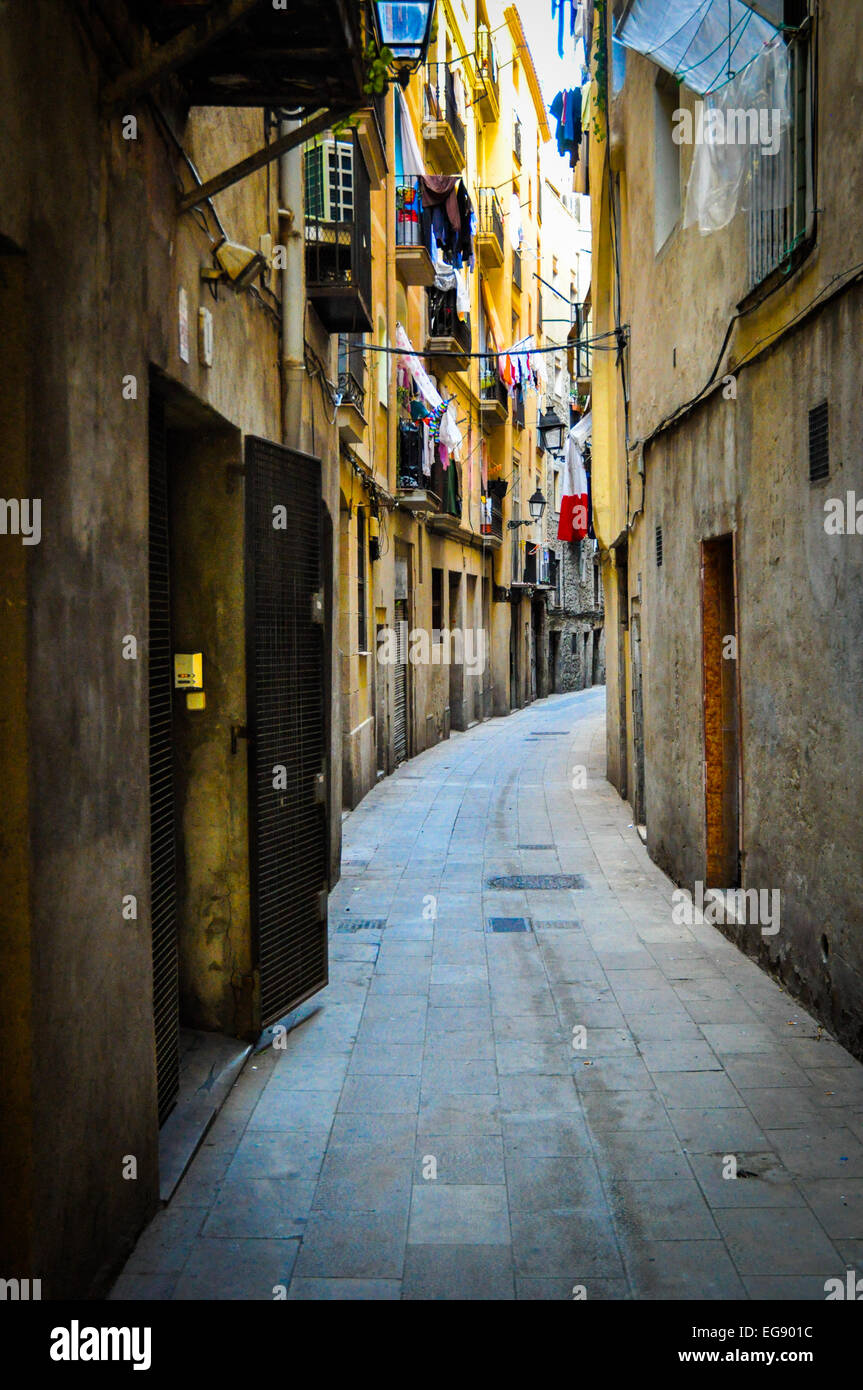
524	1080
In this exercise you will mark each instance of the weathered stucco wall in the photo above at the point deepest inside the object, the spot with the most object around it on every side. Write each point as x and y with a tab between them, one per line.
94	218
743	466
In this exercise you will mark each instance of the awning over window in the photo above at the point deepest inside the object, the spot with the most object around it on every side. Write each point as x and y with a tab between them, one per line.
701	42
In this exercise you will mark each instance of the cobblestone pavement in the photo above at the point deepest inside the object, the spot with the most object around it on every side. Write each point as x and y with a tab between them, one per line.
431	1131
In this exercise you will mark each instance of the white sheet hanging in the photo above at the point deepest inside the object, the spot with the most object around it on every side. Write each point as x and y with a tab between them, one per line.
412	160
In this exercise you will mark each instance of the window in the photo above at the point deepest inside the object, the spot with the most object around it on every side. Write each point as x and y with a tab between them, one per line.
437	604
781	198
362	615
329	181
666	161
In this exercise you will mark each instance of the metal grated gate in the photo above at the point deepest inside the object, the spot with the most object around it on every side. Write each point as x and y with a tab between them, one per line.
163	875
287	725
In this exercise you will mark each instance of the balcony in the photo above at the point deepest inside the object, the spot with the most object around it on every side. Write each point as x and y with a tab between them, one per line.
487	89
516	140
518	408
516	270
449	337
258	57
489	236
580	353
443	127
339	239
371	127
446	485
413	488
492	520
493	395
414	264
351	417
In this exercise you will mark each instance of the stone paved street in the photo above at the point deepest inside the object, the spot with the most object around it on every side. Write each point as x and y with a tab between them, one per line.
430	1131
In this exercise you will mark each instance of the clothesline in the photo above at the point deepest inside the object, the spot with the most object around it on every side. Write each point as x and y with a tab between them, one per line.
599	343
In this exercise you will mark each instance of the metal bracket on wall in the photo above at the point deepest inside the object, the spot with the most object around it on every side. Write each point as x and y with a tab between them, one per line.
239	731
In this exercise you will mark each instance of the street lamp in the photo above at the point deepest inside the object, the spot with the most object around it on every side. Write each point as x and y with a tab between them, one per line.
551	429
405	29
536	505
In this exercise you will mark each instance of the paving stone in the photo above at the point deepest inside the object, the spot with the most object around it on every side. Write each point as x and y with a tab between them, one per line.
260	1207
683	1269
439	1272
384	1095
459	1214
717	1131
354	1245
838	1204
660	1209
640	1154
458	1076
399	1059
545	1137
277	1153
777	1241
280	1108
344	1290
222	1269
537	1288
549	1183
460	1114
578	1244
539	1058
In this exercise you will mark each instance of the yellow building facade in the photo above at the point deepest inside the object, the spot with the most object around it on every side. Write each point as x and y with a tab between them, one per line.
429	553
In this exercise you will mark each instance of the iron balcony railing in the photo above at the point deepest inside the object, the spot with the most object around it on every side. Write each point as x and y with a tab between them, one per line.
583	351
492	518
440	101
780	184
444	321
486	57
516	268
490	214
516	139
352	370
491	388
410	457
518	407
408	210
445	483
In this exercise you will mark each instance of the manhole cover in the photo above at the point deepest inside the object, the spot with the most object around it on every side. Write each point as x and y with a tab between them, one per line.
508	924
537	882
373	924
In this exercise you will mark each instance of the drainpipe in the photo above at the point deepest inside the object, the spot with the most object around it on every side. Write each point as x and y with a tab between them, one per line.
293	290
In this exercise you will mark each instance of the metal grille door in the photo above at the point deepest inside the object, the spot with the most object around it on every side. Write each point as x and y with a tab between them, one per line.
400	692
287	724
163	872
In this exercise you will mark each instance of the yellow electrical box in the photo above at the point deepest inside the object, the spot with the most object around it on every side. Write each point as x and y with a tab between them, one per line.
196	699
189	670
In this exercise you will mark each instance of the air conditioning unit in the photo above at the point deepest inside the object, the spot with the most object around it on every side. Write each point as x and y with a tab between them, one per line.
329	181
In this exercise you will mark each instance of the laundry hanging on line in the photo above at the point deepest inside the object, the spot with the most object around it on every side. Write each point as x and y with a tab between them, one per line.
574	522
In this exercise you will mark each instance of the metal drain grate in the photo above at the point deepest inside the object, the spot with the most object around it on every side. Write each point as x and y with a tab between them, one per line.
372	924
498	924
537	882
557	926
535	846
549	733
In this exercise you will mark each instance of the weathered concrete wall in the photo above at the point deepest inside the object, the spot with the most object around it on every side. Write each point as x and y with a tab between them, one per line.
94	216
742	466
